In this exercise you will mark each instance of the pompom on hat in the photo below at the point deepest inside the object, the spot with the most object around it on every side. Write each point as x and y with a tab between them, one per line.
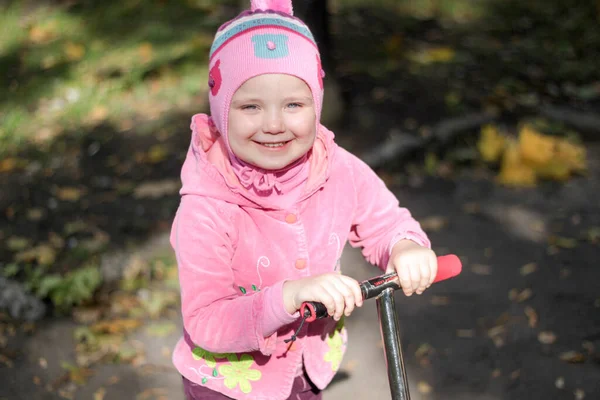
265	39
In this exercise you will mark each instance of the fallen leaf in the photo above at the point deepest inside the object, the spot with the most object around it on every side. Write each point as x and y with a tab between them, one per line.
513	170
8	164
528	269
17	243
43	33
440	300
515	374
44	254
491	143
161	329
351	365
99	394
593	234
520	296
146	52
532	316
424	387
423	350
98	114
43	363
496	373
157	153
74	51
579	394
559	382
572	357
547	337
116	326
6	361
480	269
465	333
432	55
563	242
157	189
434	223
535	147
69	193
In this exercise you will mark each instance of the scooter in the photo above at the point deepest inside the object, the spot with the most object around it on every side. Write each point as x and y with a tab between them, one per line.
382	288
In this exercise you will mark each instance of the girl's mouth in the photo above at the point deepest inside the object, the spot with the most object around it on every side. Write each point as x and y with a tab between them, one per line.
274	145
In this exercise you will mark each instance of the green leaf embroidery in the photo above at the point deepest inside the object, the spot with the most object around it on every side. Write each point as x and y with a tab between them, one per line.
204	380
254	288
243	289
215	372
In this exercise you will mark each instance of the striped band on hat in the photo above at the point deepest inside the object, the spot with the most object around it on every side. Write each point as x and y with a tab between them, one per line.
247	23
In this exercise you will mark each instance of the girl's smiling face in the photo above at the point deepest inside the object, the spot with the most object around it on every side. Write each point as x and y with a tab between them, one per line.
272	121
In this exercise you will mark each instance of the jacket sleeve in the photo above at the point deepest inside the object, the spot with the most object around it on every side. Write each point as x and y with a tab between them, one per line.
379	222
216	315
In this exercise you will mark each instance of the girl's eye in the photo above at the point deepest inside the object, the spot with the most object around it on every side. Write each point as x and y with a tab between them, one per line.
250	107
294	105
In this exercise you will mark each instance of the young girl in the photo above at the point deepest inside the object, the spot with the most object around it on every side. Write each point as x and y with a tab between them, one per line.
268	202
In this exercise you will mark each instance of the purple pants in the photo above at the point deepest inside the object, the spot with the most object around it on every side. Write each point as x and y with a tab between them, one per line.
302	389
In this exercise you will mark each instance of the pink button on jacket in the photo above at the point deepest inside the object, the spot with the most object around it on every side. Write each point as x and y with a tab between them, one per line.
235	250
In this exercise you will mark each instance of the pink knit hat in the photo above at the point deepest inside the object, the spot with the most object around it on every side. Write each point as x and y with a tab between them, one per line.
265	39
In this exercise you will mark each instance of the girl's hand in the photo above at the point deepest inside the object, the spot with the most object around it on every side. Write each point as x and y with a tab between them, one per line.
415	265
338	293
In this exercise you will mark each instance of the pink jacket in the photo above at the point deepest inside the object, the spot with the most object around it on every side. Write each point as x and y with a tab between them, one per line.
234	253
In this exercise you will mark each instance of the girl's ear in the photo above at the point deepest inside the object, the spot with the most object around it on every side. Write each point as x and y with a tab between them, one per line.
275	5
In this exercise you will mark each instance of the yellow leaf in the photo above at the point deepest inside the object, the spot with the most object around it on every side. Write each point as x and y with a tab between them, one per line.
573	155
513	171
491	143
433	55
43	254
573	357
42	33
146	52
116	326
393	44
424	387
535	147
69	193
157	154
16	243
528	269
99	394
554	169
8	164
74	51
547	337
98	114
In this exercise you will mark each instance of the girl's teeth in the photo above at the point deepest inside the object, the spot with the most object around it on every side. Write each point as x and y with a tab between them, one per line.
273	144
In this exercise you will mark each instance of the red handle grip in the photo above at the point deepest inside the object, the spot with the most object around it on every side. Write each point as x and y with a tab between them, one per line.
449	266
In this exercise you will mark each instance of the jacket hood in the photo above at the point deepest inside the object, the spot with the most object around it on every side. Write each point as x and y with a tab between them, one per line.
207	170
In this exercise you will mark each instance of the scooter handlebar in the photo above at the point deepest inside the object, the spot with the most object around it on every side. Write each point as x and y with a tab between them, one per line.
449	266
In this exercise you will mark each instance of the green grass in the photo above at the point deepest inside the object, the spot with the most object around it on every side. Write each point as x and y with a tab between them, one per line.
448	11
116	62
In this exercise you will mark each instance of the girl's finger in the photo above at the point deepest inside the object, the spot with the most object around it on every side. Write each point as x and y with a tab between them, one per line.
433	267
338	299
415	275
355	287
425	274
348	297
404	276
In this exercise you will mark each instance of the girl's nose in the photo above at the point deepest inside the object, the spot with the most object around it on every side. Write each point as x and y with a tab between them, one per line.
273	123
